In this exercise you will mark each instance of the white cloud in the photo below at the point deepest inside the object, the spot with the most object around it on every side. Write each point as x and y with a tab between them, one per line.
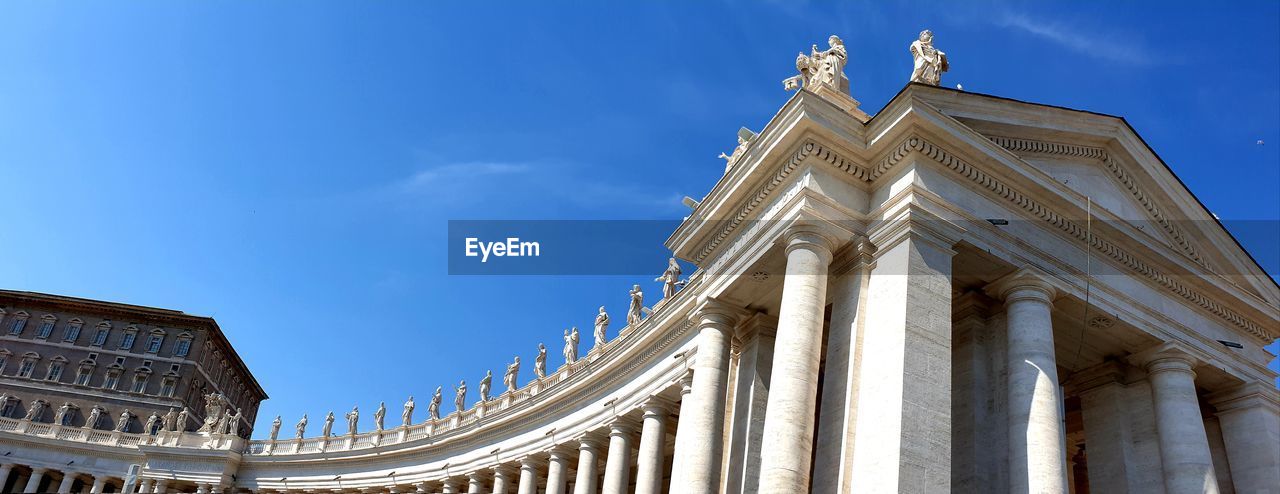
1104	46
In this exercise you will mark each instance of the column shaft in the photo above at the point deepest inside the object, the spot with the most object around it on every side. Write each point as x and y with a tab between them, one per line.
653	435
5	469
475	484
703	419
683	433
33	483
501	477
588	478
528	477
1250	420
789	418
617	468
1184	447
557	473
99	483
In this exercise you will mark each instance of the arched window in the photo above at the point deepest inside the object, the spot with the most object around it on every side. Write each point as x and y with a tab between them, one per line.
156	340
113	377
18	323
56	366
100	333
72	331
28	364
85	372
130	334
140	378
46	326
183	347
168	384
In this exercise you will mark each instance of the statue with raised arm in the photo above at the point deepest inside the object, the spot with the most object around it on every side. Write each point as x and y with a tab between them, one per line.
95	416
460	398
183	417
636	310
353	419
929	62
301	428
233	423
153	424
379	416
744	137
571	345
823	67
64	414
122	425
485	384
170	419
670	278
36	411
275	428
327	429
433	408
602	324
509	379
540	362
406	417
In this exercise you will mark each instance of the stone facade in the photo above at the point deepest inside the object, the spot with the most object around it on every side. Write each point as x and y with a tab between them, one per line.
962	293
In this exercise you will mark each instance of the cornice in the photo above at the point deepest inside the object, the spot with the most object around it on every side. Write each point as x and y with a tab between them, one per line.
1121	175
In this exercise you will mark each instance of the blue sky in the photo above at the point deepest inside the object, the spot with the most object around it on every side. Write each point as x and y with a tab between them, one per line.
289	167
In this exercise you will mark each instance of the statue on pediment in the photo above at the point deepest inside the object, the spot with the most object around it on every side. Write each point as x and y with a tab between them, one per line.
670	279
744	138
95	416
275	428
183	417
301	428
170	419
486	383
327	429
406	417
65	413
353	420
233	423
380	416
930	62
636	310
540	362
602	324
460	395
823	67
36	411
571	345
433	408
122	425
509	379
153	424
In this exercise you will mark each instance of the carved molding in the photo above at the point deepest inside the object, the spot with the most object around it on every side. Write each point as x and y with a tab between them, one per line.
1117	171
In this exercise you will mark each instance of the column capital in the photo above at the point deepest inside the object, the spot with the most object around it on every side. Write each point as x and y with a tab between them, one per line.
420	487
504	469
821	238
622	426
686	382
592	441
532	461
1026	283
1098	376
657	405
1168	356
1245	396
711	311
757	323
913	221
561	452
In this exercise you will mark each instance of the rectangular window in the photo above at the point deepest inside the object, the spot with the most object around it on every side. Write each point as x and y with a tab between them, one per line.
3	361
120	361
55	372
153	345
27	367
166	387
184	347
100	337
127	343
46	327
139	383
17	326
7	409
83	375
112	379
71	333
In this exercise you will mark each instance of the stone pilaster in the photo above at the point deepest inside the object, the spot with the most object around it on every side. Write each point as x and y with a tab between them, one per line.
1184	447
751	396
786	452
1037	455
1249	416
1112	432
971	383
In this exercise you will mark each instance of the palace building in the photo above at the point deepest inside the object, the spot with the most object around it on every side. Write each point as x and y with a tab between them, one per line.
961	293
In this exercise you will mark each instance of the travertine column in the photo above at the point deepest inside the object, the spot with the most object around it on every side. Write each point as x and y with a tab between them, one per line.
557	471
502	479
65	485
449	486
1113	460
99	483
33	483
202	488
145	485
161	486
903	421
1184	447
703	418
751	394
682	431
1037	456
529	476
617	468
475	483
588	480
787	449
5	469
653	436
1250	419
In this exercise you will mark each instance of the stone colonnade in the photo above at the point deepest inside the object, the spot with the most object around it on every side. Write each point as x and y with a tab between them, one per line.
60	480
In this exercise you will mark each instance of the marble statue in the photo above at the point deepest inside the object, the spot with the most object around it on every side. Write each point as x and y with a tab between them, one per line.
602	324
327	429
353	419
220	425
215	405
301	428
571	345
406	417
509	379
183	416
170	419
540	363
95	416
485	384
635	310
64	414
379	416
275	428
460	400
930	62
122	425
36	411
233	424
153	424
823	68
433	408
4	400
670	278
